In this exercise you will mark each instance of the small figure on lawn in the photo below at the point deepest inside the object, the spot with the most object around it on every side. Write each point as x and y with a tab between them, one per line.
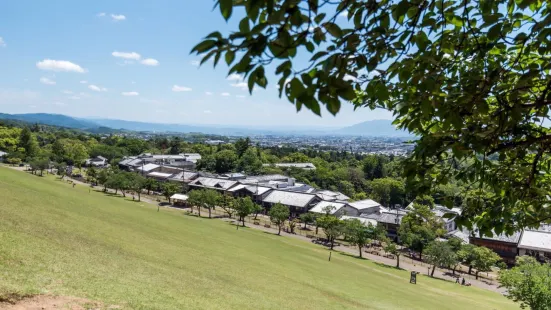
463	281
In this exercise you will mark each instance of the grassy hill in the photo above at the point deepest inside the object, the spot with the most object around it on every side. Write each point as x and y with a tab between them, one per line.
55	239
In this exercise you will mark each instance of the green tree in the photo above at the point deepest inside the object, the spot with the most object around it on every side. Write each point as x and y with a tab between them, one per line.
228	204
211	199
467	255
388	191
528	283
39	164
195	198
242	145
76	152
485	259
307	218
103	178
419	228
92	173
332	228
61	169
151	184
249	162
392	248
169	189
357	234
137	183
226	161
244	207
27	141
440	254
278	215
469	91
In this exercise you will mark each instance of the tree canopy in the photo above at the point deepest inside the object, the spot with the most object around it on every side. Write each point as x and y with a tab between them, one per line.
470	78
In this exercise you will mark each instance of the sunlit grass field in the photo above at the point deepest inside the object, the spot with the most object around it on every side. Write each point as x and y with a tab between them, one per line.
55	239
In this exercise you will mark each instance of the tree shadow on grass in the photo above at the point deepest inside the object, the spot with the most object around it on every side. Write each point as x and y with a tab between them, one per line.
439	279
353	256
388	266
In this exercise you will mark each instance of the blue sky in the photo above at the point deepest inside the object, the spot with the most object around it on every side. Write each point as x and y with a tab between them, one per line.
130	60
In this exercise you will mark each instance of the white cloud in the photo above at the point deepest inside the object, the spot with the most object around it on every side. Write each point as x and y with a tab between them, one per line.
195	63
344	14
130	93
225	94
59	104
47	81
59	65
96	88
118	18
83	82
102	14
241	96
208	93
241	85
177	88
235	77
150	62
2	42
127	55
67	92
73	97
207	112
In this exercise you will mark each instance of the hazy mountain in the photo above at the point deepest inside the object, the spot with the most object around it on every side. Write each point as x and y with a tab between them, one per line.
381	127
368	128
52	119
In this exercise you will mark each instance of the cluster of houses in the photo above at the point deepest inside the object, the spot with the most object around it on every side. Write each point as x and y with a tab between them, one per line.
267	190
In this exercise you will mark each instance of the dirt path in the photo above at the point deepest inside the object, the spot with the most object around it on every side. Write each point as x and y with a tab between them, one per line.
48	302
405	262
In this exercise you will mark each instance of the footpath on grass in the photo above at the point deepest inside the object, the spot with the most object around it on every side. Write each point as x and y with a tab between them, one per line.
406	263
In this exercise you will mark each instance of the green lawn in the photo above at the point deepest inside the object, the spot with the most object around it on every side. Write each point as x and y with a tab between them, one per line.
62	240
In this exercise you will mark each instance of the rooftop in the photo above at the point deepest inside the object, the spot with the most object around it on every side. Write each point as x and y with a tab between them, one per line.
535	240
365	204
319	208
213	183
365	221
289	198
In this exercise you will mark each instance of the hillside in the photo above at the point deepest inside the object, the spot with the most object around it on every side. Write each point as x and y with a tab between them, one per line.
51	119
68	241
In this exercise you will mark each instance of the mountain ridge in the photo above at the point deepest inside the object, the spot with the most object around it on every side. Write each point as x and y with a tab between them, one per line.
368	128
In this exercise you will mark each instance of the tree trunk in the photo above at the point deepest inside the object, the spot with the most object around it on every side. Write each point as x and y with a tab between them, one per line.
148	190
210	212
123	193
432	272
139	196
116	190
41	173
453	270
470	268
304	225
199	210
360	248
476	274
421	254
398	261
279	231
332	240
316	229
243	219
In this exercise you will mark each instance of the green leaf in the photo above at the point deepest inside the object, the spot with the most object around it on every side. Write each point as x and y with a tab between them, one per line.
318	19
333	29
226	7
203	46
230	56
244	25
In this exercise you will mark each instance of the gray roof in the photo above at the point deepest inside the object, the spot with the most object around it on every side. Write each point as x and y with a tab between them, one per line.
127	160
184	176
319	208
535	240
514	238
365	204
294	165
265	178
289	198
364	220
387	217
213	183
148	167
331	195
160	175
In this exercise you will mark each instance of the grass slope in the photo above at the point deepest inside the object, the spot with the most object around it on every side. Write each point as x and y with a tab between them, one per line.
61	240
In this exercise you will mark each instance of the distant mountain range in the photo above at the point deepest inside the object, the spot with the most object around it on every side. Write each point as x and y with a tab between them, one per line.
369	128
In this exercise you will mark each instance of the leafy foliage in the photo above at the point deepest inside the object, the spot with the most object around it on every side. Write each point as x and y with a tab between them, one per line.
529	283
470	78
419	228
440	254
332	228
278	215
